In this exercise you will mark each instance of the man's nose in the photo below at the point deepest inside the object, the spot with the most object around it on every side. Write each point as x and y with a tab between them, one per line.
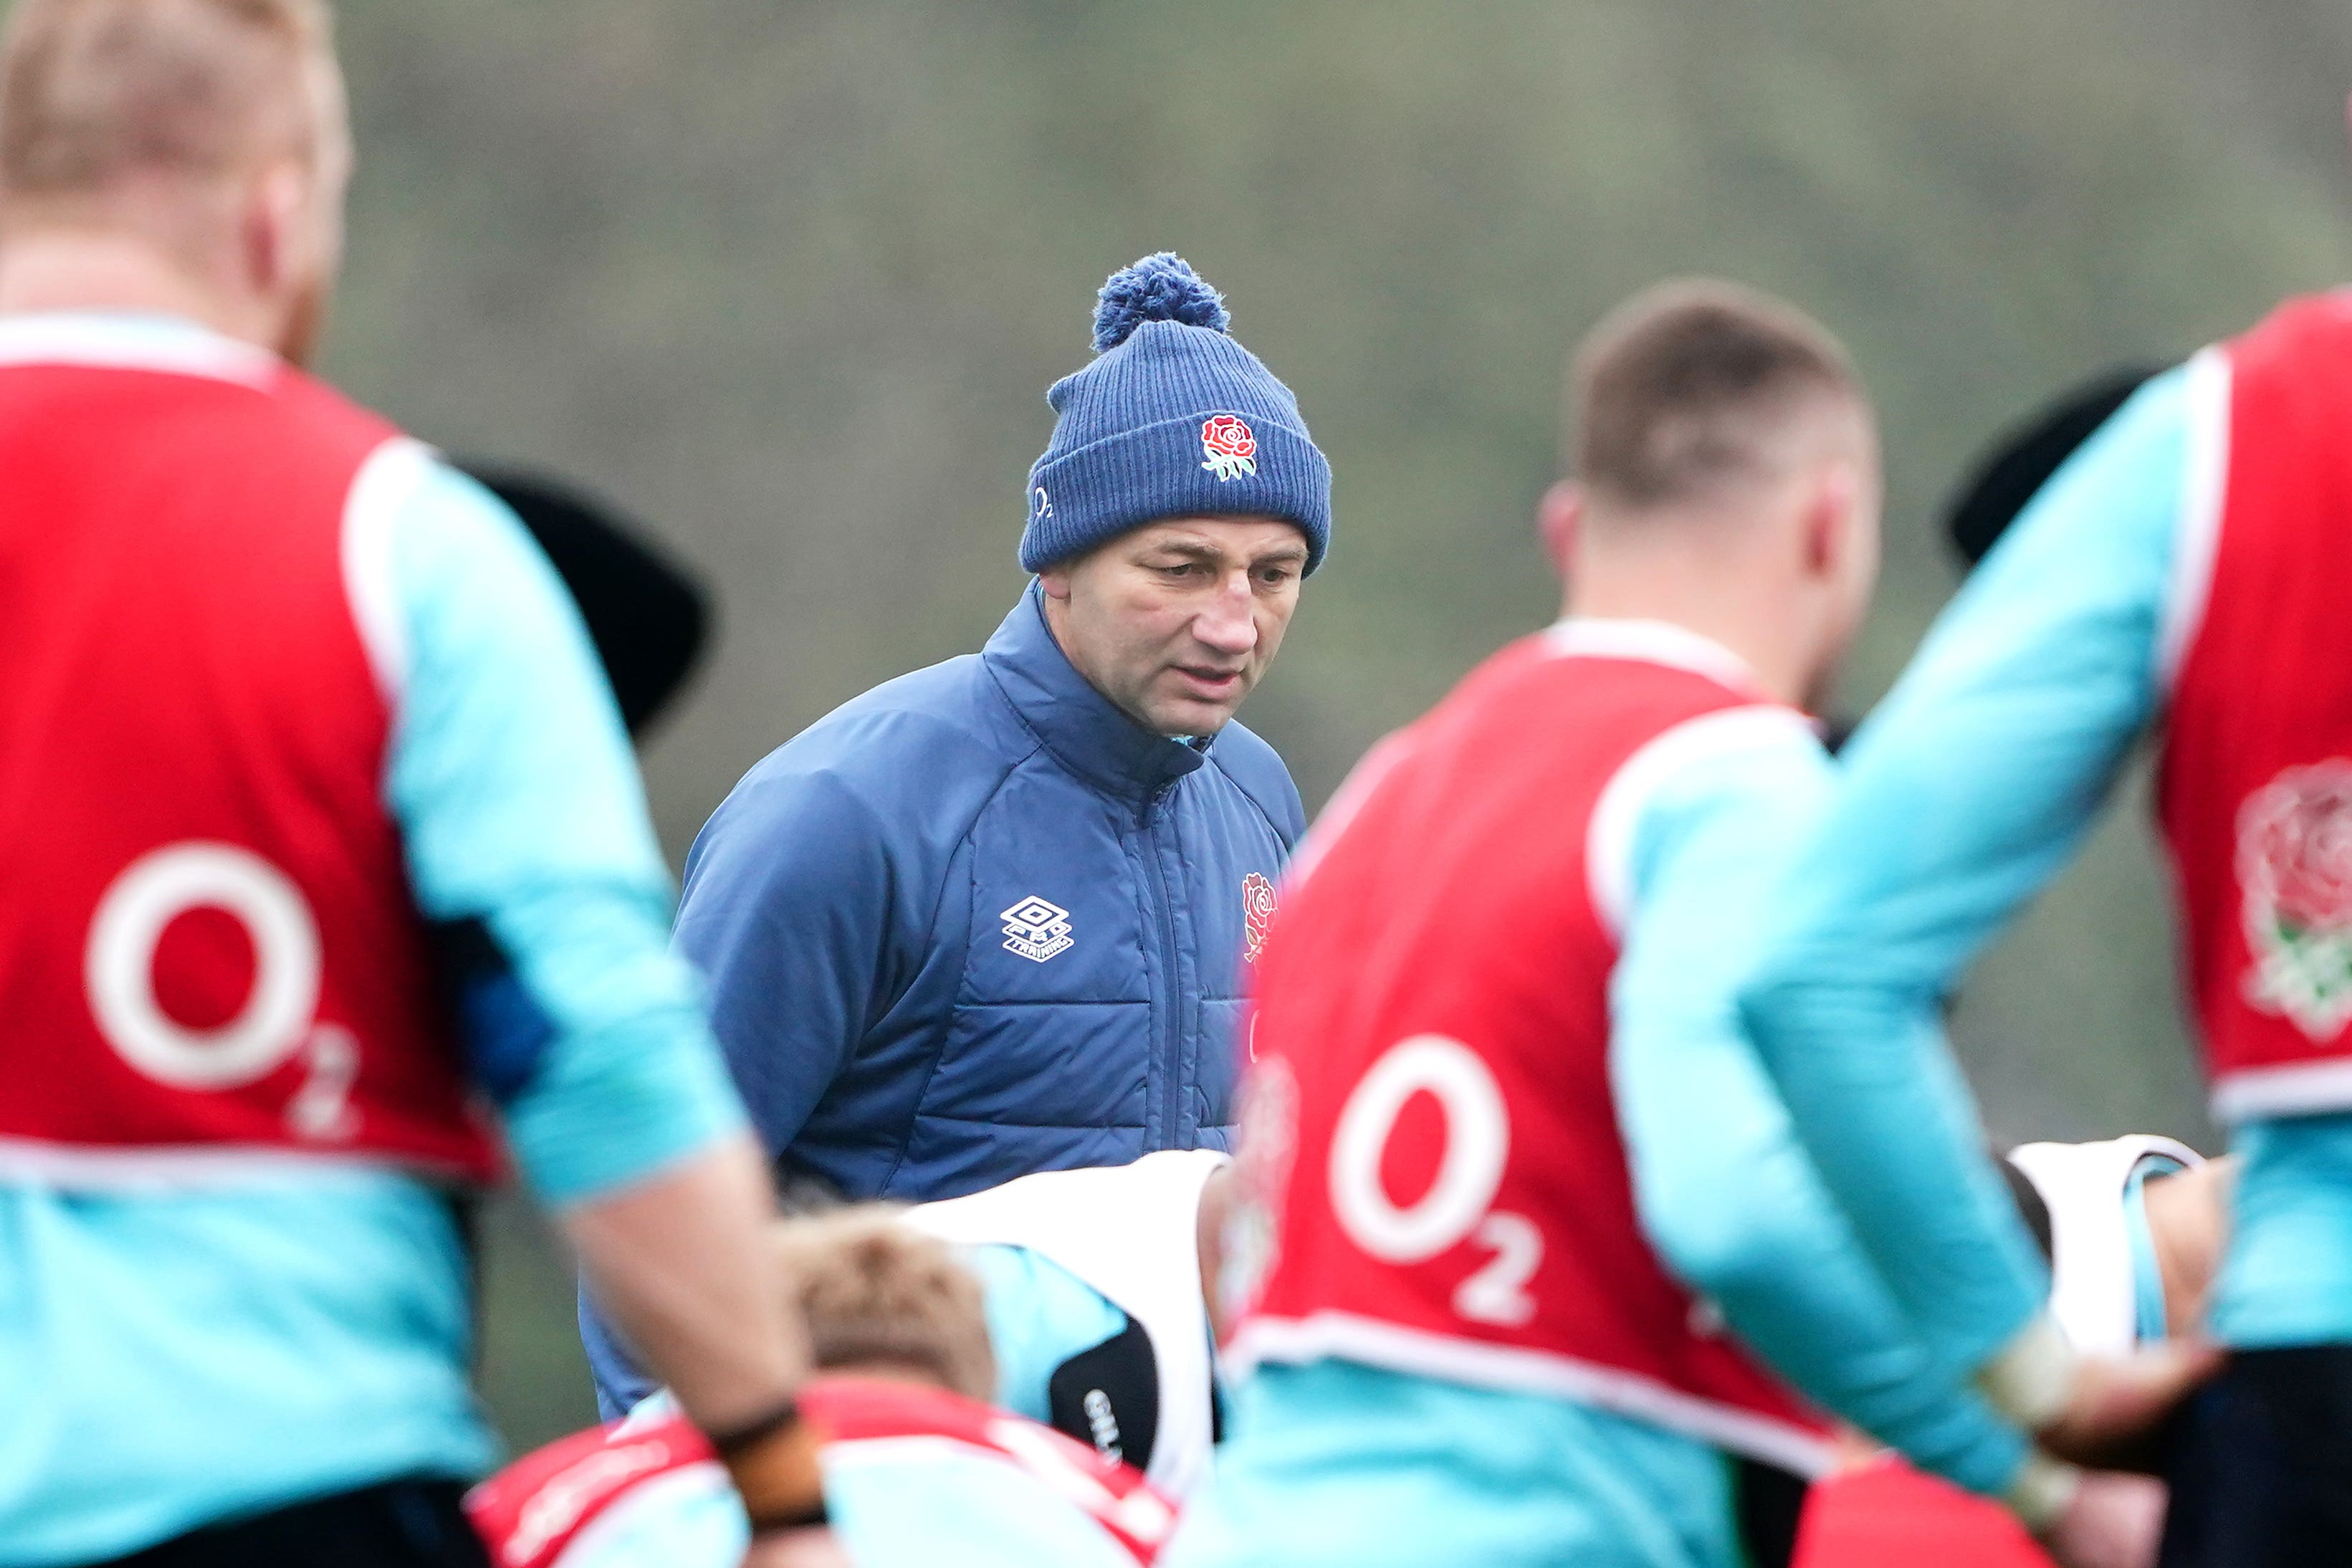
1228	624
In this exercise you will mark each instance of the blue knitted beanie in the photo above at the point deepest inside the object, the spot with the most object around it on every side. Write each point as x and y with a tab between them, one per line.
1173	418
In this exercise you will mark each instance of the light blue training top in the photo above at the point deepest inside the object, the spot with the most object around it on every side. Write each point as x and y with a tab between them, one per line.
176	1355
1039	1316
1961	798
1405	1465
1722	1185
2149	1321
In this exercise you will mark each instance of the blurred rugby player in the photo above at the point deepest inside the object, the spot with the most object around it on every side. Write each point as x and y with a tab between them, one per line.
918	1469
1516	1152
323	831
2180	578
1100	1286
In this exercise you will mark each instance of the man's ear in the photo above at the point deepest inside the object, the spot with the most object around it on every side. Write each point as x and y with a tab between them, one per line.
1829	519
1559	517
1055	581
276	205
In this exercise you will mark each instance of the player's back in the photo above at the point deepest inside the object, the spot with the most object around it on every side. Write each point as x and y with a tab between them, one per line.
2253	789
1432	1012
172	584
209	928
1462	1306
227	1062
1466	800
1436	985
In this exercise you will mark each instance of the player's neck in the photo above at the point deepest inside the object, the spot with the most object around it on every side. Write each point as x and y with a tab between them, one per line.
91	270
1729	607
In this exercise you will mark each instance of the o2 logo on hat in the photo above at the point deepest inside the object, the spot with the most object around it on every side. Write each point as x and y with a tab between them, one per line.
1044	505
1036	929
1257	913
1230	448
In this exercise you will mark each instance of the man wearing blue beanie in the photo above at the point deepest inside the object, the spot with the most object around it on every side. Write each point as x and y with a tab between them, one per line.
995	917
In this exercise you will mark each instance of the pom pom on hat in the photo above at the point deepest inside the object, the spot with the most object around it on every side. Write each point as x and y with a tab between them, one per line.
1178	421
1161	288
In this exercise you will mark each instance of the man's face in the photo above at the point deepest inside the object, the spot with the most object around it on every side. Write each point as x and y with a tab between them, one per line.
1176	620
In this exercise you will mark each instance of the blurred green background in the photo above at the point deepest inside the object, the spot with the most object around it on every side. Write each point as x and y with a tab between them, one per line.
789	281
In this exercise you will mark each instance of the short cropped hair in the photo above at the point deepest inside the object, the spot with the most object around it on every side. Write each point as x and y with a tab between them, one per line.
874	1289
1683	388
94	91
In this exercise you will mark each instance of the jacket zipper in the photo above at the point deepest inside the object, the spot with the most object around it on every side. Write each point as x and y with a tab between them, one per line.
1170	1002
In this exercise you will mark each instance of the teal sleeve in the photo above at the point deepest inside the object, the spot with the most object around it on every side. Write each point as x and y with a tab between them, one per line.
1963	795
2287	1276
1724	1188
2149	1319
1039	1316
524	821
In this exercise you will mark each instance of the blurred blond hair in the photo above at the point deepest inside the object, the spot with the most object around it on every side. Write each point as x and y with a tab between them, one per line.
877	1291
93	92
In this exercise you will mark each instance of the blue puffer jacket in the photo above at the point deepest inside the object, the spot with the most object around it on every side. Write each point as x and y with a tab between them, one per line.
977	923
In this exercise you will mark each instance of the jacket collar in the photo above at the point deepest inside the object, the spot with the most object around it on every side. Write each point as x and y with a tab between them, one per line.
1086	732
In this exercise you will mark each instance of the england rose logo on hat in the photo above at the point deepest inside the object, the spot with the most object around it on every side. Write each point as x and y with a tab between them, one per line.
1230	448
2294	873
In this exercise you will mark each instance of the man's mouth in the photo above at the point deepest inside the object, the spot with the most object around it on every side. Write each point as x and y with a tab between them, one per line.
1210	683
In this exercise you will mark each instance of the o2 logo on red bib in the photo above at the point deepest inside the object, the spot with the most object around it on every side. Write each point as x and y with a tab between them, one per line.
277	1017
1473	1145
1257	913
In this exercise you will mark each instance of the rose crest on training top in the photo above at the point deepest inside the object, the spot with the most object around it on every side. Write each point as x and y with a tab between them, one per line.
2294	868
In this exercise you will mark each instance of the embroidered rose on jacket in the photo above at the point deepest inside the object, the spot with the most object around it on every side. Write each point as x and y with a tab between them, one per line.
2295	875
1227	444
1257	913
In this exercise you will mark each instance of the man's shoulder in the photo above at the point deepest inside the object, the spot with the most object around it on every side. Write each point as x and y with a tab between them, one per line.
1729	793
926	748
944	717
1258	771
1731	763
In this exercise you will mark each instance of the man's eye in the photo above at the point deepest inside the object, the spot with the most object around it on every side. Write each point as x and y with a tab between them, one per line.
1181	569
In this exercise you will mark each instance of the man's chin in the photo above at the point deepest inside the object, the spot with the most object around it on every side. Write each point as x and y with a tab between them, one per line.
1190	720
